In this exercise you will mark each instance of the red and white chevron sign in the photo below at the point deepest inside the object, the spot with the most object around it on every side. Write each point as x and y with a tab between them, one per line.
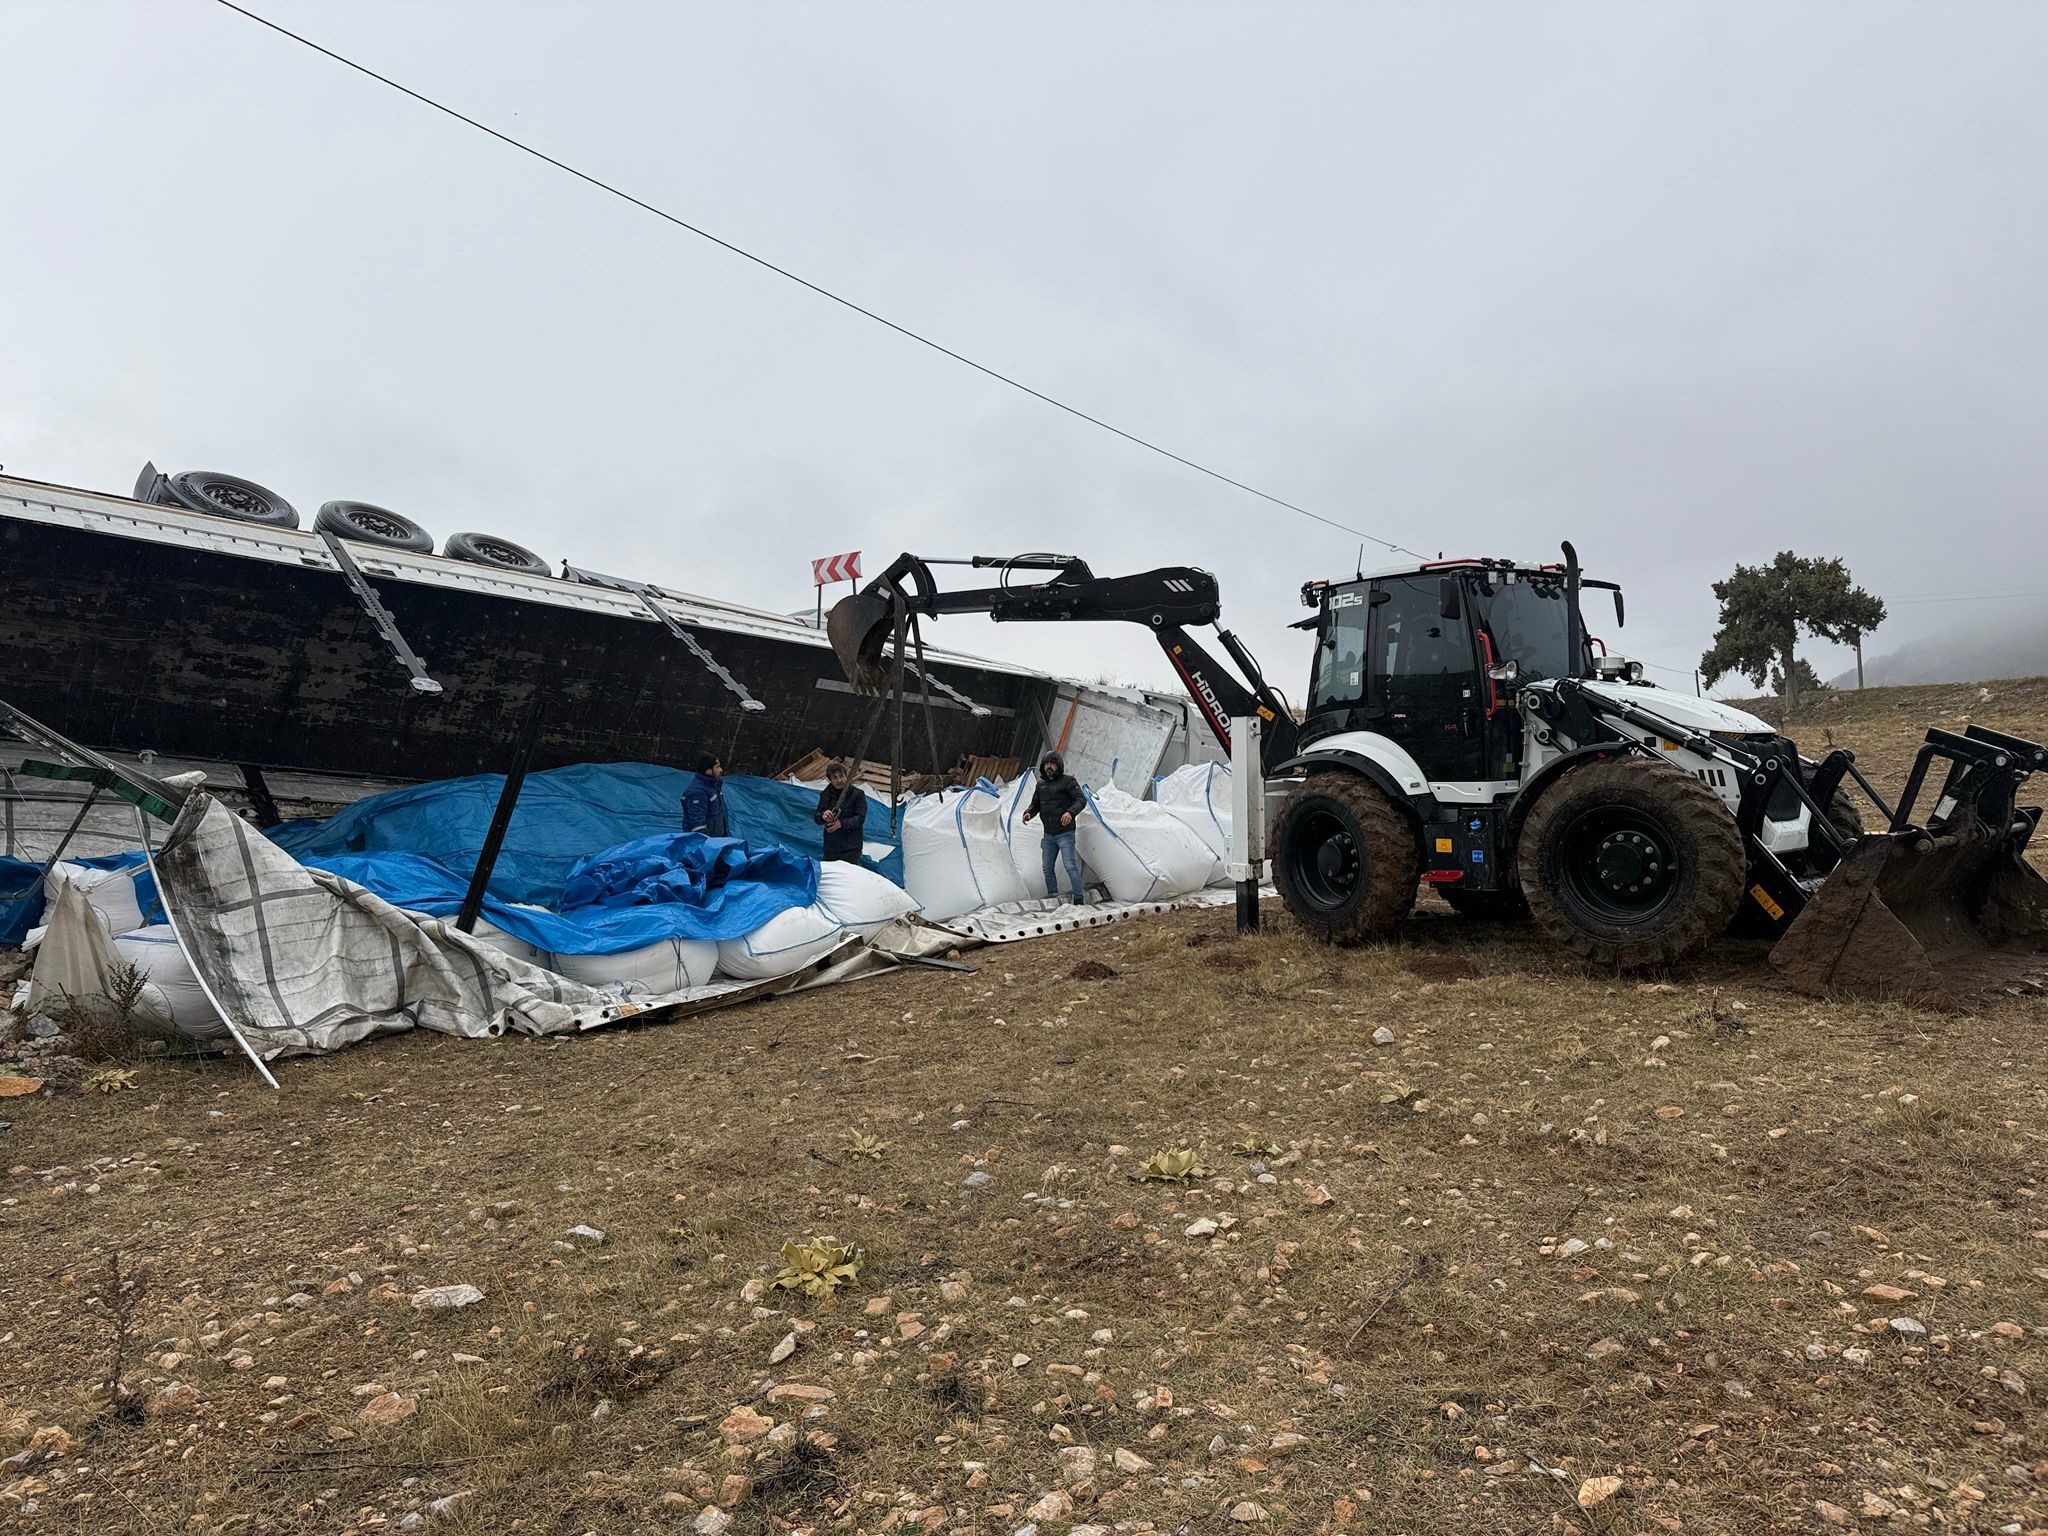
835	568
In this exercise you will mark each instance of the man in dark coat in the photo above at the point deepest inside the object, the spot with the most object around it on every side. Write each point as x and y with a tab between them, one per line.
1057	805
842	812
704	798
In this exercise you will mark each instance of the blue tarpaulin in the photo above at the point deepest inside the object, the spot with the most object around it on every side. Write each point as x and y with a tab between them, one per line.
680	886
565	815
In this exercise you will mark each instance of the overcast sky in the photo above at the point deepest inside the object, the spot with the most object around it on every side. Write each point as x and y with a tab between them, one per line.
1687	285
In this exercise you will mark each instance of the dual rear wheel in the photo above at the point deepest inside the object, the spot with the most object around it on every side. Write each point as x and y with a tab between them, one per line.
1628	862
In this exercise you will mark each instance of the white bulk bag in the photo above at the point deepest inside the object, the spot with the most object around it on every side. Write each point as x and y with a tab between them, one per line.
1141	852
955	858
850	900
488	932
1027	841
1198	797
171	996
672	965
109	892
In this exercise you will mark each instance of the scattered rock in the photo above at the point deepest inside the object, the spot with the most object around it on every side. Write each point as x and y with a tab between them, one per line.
978	1180
441	1297
1834	1514
1201	1227
1053	1506
800	1392
1886	1293
583	1234
1130	1461
1383	1036
784	1348
1598	1490
712	1522
1077	1464
386	1409
444	1507
1601	1349
744	1425
1908	1327
1245	1512
1572	1247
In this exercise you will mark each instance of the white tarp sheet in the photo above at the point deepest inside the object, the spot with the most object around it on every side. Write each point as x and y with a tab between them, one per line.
303	961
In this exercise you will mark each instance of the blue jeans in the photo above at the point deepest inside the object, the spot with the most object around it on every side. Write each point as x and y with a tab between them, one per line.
1061	845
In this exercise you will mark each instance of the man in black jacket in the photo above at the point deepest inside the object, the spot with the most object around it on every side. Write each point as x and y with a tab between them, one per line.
842	812
1057	804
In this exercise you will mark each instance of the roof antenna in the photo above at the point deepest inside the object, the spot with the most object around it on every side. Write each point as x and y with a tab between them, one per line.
1361	562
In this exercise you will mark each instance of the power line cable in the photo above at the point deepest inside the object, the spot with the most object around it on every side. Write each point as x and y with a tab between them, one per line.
804	282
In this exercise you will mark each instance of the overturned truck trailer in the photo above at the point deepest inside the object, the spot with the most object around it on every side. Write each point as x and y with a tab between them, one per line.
135	627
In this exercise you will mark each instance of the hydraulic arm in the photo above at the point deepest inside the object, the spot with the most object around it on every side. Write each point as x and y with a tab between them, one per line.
1166	602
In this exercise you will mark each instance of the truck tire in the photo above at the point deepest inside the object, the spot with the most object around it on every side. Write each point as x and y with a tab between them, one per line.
1486	906
203	490
1345	858
1631	862
366	524
489	549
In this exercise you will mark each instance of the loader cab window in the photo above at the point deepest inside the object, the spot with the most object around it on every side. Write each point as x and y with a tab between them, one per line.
1527	622
1339	681
1414	639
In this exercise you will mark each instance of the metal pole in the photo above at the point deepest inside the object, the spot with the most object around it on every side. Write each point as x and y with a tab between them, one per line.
1247	818
501	818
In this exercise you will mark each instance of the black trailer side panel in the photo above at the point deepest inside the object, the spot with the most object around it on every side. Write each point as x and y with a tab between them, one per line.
133	646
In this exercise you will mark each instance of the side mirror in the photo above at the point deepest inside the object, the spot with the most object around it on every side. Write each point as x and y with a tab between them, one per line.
1504	671
1619	617
1450	602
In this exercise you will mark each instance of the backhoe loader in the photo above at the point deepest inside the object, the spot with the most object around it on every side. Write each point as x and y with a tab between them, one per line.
1463	731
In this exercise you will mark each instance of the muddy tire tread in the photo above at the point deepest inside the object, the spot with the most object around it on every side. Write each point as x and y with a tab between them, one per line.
1392	861
1714	884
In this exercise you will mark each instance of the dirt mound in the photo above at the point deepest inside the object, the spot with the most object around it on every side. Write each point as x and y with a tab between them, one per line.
1091	970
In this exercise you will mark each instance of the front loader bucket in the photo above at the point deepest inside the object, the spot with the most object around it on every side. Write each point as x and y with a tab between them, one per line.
859	628
1938	918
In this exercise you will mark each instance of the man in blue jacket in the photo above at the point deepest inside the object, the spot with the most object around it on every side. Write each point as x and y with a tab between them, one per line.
704	798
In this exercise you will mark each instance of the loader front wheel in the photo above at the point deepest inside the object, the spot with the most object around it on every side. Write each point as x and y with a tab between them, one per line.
1631	862
1345	859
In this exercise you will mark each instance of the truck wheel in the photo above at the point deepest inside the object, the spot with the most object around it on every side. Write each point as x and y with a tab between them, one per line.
1345	859
489	549
366	524
1486	906
1631	862
203	490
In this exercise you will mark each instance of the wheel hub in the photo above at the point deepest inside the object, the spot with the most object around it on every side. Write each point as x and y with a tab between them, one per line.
1325	860
1628	863
1620	862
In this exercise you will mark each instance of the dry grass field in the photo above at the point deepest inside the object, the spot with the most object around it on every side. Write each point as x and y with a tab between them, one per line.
1558	1251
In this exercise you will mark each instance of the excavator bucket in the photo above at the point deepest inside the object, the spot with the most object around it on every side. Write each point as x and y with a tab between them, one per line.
859	628
1949	915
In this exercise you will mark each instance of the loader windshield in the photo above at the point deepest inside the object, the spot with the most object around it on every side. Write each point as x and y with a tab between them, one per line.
1526	621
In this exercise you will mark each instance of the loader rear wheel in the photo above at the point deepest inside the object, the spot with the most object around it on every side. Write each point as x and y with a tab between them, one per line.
1345	859
1631	862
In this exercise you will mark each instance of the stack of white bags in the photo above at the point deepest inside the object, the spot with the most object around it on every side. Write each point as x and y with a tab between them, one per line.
971	848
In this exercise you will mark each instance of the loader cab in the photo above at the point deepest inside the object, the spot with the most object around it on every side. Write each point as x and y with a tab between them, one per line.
1415	655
